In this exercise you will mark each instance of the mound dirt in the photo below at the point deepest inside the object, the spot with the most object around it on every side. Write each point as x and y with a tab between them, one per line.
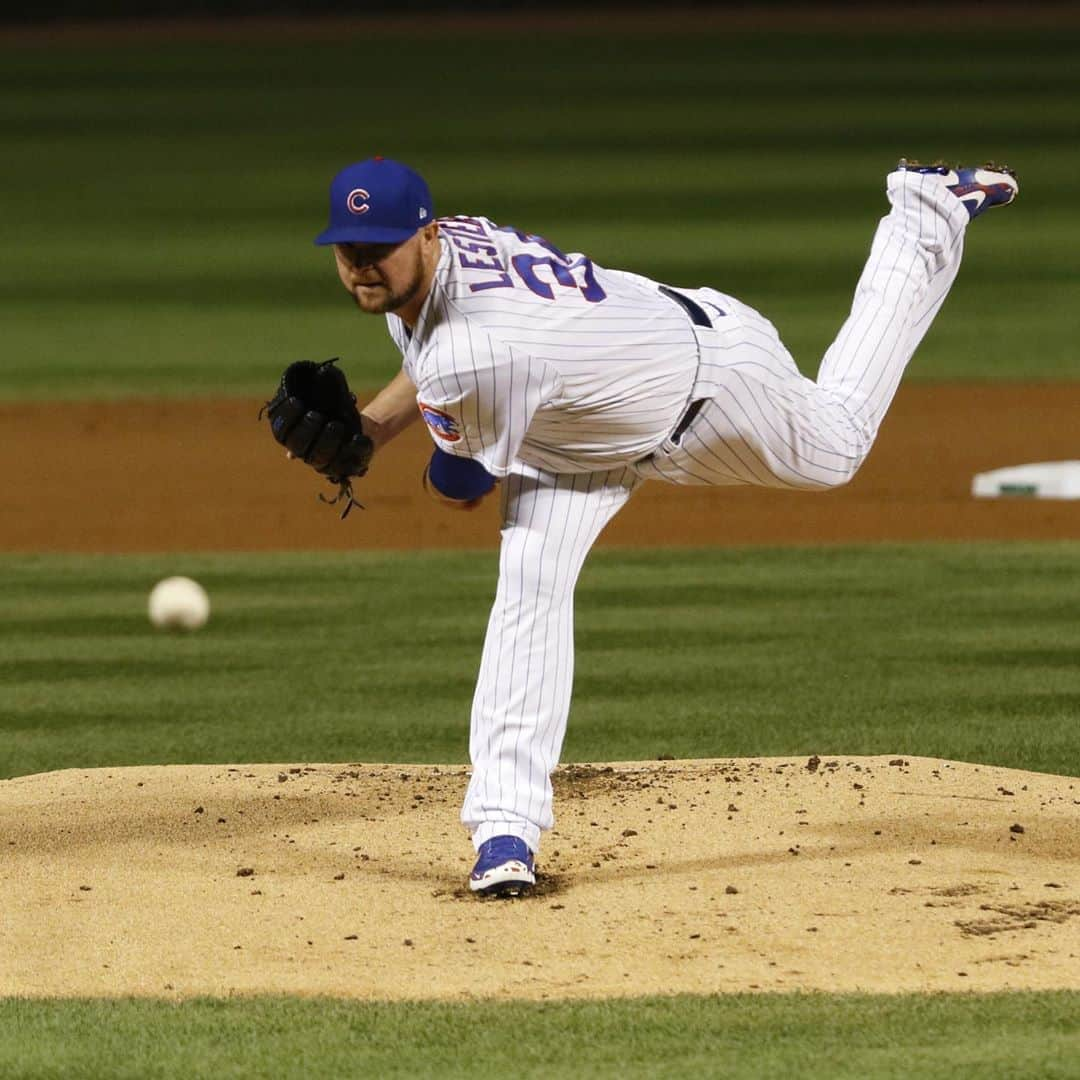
878	874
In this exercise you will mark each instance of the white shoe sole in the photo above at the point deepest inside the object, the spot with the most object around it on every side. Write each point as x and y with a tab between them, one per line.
509	878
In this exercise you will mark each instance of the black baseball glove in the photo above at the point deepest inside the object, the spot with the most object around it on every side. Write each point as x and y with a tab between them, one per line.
314	416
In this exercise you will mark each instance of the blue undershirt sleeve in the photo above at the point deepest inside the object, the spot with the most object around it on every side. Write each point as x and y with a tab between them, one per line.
458	477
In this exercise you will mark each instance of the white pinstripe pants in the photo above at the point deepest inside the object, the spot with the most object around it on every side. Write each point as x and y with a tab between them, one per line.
762	423
550	521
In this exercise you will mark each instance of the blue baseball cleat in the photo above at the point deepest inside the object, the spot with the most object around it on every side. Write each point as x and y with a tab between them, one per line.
978	188
504	867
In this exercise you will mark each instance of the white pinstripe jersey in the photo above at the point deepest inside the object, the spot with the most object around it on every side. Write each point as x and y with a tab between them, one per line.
523	352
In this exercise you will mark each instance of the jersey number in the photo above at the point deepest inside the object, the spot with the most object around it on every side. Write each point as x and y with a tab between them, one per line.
562	272
576	274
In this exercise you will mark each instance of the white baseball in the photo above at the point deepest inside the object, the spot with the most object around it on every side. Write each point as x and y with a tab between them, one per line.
178	603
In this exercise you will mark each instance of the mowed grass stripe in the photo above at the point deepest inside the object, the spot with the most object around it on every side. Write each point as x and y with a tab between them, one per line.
181	261
959	651
994	1037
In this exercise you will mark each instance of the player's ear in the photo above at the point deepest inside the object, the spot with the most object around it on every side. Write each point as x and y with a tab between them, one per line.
429	239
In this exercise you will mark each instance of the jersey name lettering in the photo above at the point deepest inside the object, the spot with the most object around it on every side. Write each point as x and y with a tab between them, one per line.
467	236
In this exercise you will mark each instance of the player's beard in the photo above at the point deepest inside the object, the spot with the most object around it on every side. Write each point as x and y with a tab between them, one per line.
385	299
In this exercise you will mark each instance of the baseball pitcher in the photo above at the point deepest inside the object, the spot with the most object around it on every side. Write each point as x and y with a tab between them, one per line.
565	385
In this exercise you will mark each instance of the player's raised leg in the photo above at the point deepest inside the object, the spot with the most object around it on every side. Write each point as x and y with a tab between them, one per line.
913	262
760	421
526	674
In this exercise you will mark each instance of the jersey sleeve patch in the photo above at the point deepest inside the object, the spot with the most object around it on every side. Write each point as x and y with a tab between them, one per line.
443	425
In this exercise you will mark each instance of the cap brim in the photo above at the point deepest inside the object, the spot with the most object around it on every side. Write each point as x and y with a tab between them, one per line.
360	234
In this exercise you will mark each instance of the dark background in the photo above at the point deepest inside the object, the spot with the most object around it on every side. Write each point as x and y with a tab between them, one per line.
23	11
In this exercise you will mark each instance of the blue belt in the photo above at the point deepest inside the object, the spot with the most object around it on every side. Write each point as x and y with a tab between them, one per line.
693	309
698	317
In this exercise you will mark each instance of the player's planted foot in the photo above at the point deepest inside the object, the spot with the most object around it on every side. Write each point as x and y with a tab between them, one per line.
504	867
978	188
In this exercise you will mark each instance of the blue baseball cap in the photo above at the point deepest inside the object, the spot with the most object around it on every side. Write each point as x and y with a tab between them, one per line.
377	201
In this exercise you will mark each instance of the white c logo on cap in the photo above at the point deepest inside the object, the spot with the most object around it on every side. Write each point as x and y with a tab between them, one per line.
357	201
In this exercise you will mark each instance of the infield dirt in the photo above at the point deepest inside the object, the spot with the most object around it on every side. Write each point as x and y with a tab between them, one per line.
204	476
870	874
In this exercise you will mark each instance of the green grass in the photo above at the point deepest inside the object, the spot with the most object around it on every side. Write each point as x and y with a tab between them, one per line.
160	200
993	1037
965	652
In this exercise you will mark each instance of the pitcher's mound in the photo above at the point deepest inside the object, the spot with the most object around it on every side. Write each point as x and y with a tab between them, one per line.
662	877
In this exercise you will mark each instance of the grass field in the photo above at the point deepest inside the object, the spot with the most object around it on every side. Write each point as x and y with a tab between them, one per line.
162	200
999	1037
160	203
964	652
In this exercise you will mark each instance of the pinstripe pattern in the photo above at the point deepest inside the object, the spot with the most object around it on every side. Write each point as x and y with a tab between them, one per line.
550	521
565	383
573	402
766	424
